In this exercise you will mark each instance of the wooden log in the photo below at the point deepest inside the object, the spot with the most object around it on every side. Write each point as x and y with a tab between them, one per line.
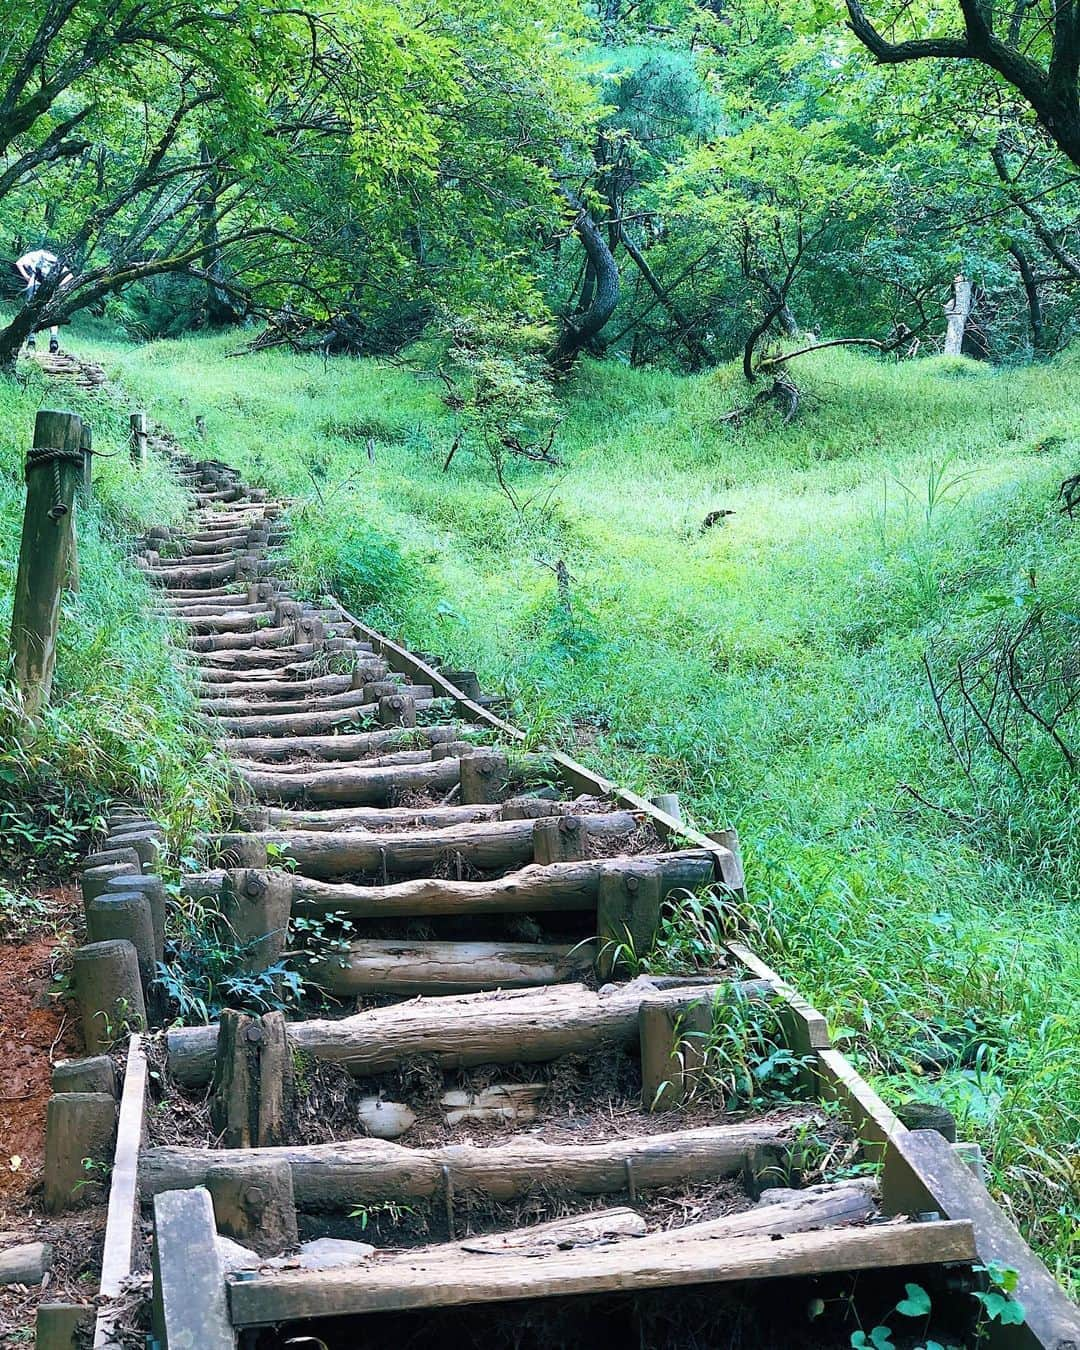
560	887
529	1025
125	916
736	1248
154	889
627	916
394	759
26	1263
44	555
259	659
534	808
255	1205
562	839
330	1177
489	846
137	437
254	707
252	1087
59	1326
108	991
484	778
108	856
294	691
355	786
367	817
388	967
576	1230
341	747
198	574
255	908
147	843
78	1126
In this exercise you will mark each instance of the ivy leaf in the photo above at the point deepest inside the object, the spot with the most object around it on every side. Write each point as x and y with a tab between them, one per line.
917	1303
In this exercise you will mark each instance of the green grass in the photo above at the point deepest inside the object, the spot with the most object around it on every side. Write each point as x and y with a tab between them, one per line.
769	671
121	717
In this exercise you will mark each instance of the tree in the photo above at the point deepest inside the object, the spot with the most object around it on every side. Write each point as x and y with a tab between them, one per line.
1034	46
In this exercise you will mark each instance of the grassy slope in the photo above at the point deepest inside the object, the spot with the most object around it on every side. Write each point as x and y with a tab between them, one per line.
120	716
769	670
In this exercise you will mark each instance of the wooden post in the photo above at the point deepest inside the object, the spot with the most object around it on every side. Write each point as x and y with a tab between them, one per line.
78	1125
560	839
397	710
627	915
957	313
44	553
661	1065
253	1083
138	439
109	992
86	440
255	1205
484	779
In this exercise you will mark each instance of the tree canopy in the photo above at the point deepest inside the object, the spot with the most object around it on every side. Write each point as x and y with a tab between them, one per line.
662	182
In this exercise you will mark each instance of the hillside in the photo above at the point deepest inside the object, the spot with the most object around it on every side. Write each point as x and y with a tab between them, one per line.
769	668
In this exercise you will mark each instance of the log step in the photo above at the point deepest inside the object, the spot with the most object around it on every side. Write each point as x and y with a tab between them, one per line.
432	968
328	1178
489	846
695	1255
530	1026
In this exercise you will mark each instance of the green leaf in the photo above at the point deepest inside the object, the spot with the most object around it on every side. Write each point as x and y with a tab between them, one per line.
917	1302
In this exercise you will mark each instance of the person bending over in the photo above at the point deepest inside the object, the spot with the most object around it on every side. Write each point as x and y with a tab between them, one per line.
35	268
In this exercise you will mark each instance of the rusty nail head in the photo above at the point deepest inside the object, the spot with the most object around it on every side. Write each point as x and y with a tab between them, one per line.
253	886
254	1034
631	883
569	824
253	1195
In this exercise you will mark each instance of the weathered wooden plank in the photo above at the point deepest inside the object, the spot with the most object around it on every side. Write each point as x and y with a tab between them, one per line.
684	1256
923	1172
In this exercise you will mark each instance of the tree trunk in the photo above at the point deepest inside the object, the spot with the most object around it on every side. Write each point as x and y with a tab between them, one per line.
581	331
957	312
1031	292
698	355
220	310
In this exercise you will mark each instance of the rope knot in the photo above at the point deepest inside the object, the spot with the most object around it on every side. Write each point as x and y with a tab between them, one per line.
38	455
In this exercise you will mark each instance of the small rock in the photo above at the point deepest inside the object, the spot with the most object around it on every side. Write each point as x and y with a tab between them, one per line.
235	1256
332	1253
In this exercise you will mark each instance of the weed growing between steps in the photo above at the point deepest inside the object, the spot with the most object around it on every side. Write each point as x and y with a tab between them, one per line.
121	720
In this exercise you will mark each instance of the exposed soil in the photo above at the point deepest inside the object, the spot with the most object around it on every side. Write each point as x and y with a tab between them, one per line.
36	1030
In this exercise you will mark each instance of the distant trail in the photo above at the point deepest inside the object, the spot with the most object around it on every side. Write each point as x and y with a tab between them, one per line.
487	909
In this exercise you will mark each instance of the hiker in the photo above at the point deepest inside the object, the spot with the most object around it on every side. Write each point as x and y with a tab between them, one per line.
34	268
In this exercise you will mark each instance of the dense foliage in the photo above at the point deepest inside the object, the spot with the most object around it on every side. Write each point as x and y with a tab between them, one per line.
669	181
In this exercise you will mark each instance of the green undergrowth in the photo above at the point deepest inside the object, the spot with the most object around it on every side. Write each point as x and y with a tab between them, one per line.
121	718
769	669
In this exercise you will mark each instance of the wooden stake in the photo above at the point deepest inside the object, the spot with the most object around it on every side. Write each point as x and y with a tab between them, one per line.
138	439
627	914
44	554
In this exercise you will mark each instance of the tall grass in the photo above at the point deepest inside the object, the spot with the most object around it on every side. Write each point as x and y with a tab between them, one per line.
769	670
121	720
